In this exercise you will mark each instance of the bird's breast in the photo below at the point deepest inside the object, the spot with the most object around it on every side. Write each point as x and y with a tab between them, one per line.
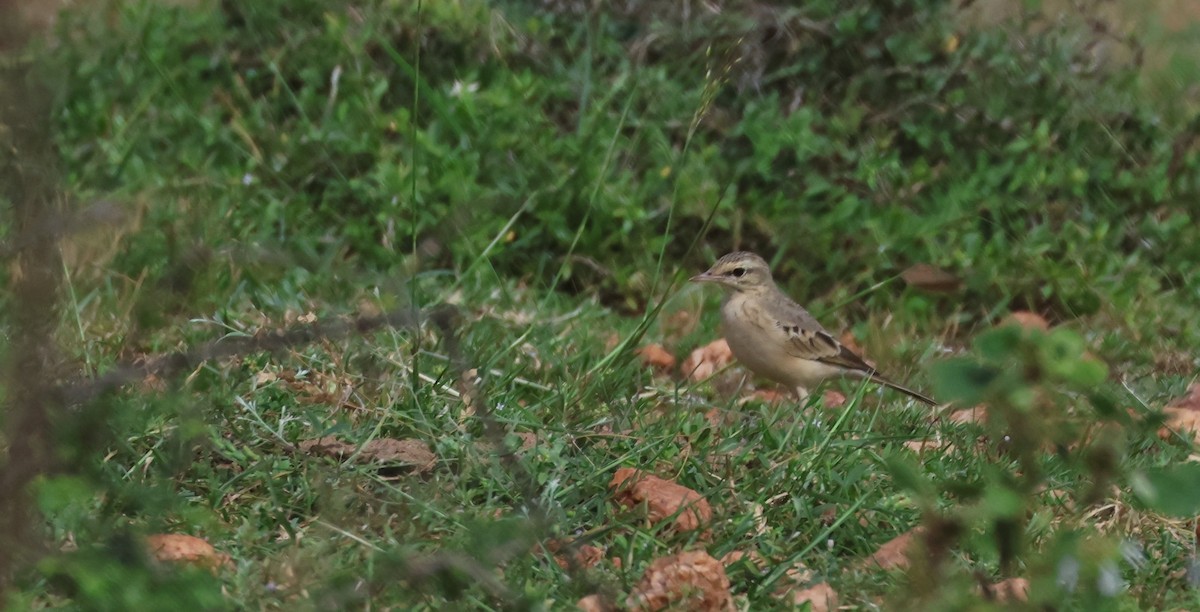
753	339
761	346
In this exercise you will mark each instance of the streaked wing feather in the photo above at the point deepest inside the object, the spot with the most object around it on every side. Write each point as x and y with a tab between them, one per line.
850	360
820	345
806	339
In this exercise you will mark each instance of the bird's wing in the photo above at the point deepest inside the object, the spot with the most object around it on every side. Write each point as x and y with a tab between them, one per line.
806	339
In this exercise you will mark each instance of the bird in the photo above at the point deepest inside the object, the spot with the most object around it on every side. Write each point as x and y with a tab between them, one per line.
778	339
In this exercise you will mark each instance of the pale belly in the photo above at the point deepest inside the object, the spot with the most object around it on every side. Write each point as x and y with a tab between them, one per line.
762	350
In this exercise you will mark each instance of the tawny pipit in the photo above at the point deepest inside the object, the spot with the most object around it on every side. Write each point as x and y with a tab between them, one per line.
775	337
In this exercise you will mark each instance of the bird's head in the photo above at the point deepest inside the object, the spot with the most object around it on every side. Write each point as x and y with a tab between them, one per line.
741	271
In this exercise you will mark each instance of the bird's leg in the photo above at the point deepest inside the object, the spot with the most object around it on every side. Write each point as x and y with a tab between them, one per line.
801	394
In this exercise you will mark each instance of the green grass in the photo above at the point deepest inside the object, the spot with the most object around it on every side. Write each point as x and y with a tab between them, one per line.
528	165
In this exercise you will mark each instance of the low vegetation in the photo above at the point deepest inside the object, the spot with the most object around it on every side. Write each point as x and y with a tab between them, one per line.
381	304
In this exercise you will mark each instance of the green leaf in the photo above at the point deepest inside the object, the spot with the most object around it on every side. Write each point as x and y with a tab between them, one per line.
1084	372
1062	344
963	380
1062	355
1002	502
65	500
1172	490
1000	343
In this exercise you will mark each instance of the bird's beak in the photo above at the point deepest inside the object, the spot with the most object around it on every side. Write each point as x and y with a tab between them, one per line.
703	277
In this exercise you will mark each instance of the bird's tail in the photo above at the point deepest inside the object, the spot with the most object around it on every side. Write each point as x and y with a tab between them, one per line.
905	390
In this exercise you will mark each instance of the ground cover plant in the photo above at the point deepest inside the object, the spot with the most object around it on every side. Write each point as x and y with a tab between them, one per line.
382	304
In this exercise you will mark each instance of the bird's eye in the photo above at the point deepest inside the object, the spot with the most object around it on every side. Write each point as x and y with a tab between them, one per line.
739	272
